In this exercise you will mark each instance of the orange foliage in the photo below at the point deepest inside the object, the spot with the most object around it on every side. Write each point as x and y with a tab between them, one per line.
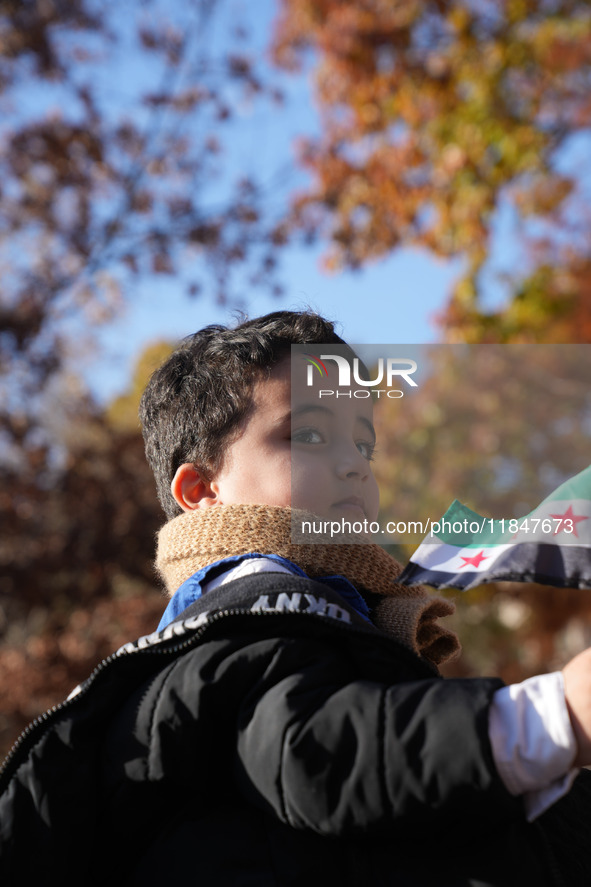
434	113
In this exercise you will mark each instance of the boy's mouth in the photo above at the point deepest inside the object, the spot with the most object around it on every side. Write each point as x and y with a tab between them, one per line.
353	503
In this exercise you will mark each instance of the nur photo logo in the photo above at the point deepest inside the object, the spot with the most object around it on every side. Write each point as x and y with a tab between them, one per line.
351	371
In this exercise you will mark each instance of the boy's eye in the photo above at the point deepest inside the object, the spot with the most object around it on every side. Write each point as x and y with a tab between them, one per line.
366	449
307	436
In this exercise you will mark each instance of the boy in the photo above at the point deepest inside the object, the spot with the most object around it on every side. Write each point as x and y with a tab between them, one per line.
271	734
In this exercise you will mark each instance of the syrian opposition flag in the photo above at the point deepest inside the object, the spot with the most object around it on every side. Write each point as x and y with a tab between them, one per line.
552	545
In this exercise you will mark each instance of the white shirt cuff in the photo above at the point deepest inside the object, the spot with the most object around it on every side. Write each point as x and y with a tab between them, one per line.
533	742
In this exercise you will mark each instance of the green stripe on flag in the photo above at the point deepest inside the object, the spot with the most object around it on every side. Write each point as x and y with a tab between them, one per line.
564	518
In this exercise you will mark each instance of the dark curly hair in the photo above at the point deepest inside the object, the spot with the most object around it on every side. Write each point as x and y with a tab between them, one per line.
195	403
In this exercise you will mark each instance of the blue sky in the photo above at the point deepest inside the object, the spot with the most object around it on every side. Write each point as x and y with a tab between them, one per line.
394	300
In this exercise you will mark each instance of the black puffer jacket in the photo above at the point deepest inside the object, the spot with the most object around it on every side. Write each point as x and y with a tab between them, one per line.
272	737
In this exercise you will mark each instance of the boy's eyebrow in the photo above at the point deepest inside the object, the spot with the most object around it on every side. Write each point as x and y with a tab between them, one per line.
317	408
291	415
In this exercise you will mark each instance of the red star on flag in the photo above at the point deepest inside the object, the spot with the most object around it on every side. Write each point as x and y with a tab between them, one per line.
475	560
568	516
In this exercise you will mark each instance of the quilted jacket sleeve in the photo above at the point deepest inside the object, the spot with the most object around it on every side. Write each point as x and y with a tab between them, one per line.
337	753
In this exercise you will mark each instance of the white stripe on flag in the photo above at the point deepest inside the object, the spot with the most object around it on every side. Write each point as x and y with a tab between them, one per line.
450	558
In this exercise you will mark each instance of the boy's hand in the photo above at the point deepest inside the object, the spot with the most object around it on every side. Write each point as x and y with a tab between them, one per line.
577	690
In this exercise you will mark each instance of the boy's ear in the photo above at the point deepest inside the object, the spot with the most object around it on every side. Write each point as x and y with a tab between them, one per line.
191	489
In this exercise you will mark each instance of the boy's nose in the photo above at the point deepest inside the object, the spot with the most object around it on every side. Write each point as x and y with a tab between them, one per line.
351	463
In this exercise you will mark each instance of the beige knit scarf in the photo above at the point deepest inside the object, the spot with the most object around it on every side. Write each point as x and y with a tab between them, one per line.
198	538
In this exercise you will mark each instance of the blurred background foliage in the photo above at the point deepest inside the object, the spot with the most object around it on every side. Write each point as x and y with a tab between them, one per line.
438	120
498	427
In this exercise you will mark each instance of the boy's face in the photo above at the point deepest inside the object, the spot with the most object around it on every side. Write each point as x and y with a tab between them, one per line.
316	457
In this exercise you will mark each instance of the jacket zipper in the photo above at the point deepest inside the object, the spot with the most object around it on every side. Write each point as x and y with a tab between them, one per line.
35	729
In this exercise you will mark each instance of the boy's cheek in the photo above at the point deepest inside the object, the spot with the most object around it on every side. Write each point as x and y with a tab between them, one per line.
310	491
